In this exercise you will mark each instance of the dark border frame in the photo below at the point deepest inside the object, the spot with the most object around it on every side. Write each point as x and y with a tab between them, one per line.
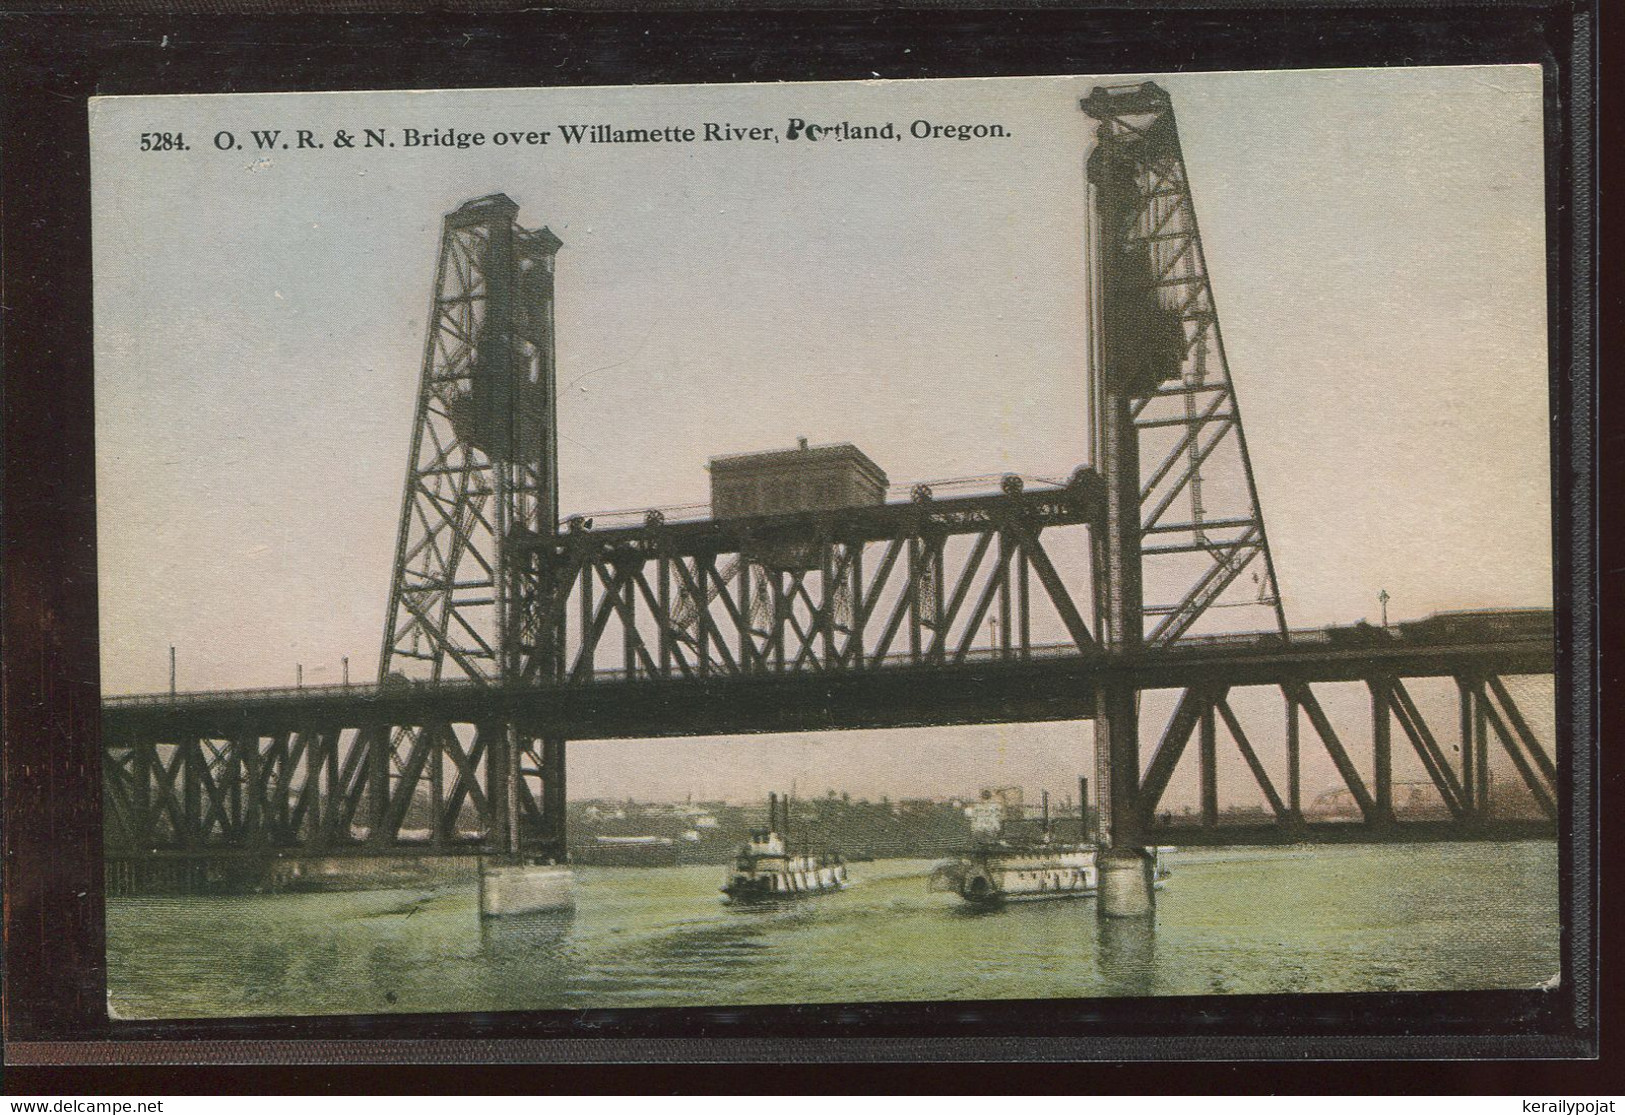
52	62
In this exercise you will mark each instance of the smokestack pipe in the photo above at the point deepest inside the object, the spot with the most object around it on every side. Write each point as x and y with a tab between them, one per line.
772	812
1083	809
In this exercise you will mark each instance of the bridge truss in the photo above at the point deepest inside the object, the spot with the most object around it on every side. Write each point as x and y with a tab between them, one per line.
929	581
322	770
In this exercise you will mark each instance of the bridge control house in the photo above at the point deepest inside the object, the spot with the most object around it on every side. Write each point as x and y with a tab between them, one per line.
786	481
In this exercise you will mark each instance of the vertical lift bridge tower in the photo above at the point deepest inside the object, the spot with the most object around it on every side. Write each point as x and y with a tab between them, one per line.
1181	532
482	478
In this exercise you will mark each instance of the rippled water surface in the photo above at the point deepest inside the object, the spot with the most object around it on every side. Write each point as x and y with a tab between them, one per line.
1426	917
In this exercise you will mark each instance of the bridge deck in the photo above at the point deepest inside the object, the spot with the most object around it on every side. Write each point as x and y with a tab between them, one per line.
1053	683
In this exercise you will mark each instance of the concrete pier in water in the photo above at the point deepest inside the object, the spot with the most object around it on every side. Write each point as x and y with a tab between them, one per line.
1127	882
524	888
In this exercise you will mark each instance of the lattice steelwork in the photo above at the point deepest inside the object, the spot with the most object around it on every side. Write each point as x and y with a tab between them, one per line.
861	588
484	460
299	770
483	473
318	789
1158	348
1455	761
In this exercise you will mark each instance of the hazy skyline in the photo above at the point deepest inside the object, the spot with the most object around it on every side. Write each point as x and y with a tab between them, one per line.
1375	241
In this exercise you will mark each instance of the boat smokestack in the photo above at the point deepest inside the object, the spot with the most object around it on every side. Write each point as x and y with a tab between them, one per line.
1083	809
772	812
1046	812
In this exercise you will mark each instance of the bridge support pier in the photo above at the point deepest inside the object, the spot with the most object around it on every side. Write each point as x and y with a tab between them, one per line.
1126	875
533	873
1126	955
524	888
1127	882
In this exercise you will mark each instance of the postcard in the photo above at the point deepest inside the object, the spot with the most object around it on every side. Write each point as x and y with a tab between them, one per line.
1051	538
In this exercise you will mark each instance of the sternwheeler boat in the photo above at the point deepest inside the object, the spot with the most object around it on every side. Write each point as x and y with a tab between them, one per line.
1000	868
989	874
767	870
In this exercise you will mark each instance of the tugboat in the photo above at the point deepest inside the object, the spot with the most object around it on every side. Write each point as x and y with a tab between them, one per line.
997	869
766	870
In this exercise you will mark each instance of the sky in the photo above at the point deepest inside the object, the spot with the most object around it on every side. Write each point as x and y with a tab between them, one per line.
1375	241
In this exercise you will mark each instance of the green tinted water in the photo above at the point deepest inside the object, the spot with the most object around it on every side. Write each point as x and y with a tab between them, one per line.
1427	917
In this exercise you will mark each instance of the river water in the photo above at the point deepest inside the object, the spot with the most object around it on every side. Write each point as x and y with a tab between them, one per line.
1311	919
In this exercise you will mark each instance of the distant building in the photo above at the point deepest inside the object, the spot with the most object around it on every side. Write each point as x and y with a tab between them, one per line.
986	819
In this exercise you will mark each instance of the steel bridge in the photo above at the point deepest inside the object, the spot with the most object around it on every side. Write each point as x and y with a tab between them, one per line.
320	769
510	632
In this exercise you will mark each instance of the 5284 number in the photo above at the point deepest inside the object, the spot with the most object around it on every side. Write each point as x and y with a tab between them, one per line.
162	141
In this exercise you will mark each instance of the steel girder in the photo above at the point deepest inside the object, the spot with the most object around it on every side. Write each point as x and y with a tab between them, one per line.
251	784
373	770
1457	798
